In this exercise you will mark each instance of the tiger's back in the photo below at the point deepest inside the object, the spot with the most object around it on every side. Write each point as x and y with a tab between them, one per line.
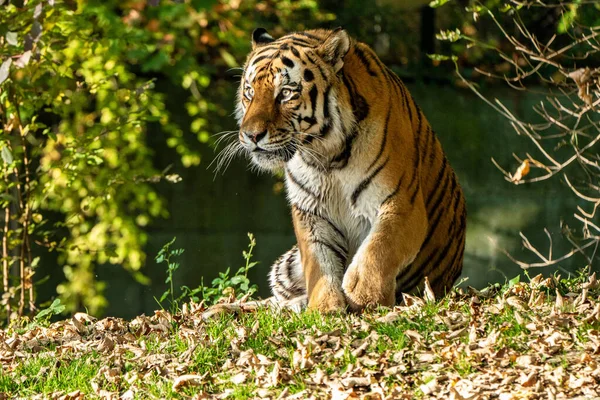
376	206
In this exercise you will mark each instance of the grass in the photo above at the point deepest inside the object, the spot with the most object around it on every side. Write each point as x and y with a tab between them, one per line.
423	349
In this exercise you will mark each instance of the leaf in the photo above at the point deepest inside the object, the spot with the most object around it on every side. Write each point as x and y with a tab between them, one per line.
441	57
438	3
23	60
236	280
33	36
5	69
7	156
521	172
228	58
449	35
12	38
37	11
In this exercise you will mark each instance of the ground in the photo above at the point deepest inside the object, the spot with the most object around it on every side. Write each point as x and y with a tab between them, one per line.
534	340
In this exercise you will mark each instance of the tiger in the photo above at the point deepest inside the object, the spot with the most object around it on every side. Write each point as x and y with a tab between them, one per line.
376	208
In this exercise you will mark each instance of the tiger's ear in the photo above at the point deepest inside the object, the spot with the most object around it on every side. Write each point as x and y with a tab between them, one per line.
260	37
335	47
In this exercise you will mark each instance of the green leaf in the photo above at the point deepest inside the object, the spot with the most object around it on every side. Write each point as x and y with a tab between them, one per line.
7	156
5	69
438	3
514	281
12	38
236	280
441	57
228	58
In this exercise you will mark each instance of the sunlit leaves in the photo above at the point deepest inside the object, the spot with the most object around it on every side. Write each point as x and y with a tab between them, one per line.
438	3
449	35
11	38
5	69
88	81
7	156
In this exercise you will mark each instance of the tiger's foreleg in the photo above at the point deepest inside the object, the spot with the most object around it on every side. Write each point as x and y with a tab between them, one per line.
392	244
324	255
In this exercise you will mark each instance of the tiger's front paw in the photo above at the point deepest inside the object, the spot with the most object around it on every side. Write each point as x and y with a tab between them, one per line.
364	287
327	300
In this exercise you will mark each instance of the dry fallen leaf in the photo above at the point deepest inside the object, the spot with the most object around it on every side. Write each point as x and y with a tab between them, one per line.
520	172
186	380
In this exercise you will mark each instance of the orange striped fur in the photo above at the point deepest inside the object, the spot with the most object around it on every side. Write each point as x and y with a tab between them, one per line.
376	206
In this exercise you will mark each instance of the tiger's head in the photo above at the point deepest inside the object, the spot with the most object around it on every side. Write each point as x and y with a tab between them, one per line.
288	97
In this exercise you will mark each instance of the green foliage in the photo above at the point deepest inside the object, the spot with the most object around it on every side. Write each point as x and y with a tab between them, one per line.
54	309
237	285
81	94
224	285
164	256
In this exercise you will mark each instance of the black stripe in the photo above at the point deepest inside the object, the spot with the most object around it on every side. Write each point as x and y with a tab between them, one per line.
426	267
413	186
429	265
366	182
441	174
296	182
395	192
302	43
417	171
454	204
276	271
309	35
427	134
338	253
266	49
444	192
405	101
433	145
295	52
341	160
360	107
290	263
384	140
287	62
318	65
364	60
326	102
258	59
325	129
331	224
310	120
438	212
458	255
312	95
433	226
308	75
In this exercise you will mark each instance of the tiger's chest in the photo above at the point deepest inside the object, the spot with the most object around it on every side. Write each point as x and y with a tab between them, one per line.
330	194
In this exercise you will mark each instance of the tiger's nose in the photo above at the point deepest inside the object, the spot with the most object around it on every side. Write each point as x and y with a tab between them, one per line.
255	137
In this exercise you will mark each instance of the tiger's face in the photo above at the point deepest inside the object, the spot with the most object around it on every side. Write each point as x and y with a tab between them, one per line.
286	98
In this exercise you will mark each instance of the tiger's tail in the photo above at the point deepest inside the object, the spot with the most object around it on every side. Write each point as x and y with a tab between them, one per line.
287	277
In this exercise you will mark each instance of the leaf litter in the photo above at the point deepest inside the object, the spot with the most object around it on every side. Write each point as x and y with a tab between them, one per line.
536	340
